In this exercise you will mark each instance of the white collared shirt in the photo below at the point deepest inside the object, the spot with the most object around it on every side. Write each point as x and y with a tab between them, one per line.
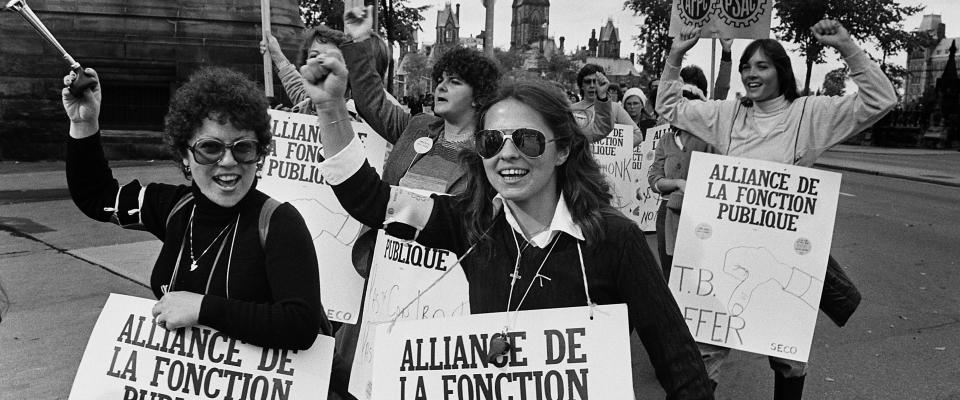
562	222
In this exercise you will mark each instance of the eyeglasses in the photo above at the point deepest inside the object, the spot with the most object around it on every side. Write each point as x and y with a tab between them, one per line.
209	151
530	142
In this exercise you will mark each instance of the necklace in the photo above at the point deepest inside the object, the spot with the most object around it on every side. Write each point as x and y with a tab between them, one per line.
193	261
499	343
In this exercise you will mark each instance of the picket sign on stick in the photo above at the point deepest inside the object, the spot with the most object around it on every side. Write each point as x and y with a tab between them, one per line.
267	62
291	173
558	353
129	356
744	19
751	253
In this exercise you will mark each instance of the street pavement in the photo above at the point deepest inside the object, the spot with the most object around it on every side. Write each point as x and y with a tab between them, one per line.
897	234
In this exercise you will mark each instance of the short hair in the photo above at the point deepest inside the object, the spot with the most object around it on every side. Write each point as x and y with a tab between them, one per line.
476	69
616	88
588	69
693	75
584	187
319	34
781	62
222	95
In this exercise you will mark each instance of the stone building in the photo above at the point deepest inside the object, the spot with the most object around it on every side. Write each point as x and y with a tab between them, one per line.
529	23
925	65
608	44
448	29
142	51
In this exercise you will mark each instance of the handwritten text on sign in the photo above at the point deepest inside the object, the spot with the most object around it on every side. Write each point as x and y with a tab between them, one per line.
553	354
128	356
747	19
407	282
752	249
291	173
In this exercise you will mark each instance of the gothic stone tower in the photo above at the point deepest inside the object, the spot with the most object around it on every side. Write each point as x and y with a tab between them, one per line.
530	22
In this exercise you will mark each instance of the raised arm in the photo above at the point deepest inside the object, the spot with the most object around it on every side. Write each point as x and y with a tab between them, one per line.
289	77
722	85
386	118
704	119
834	119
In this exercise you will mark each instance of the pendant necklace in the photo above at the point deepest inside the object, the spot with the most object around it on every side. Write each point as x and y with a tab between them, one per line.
499	342
193	261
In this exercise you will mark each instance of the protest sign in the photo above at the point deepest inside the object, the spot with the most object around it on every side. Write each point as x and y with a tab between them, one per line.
745	19
644	213
614	154
130	357
291	173
407	282
751	253
558	353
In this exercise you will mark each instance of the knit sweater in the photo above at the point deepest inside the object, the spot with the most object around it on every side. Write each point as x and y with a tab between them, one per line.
266	296
779	130
619	269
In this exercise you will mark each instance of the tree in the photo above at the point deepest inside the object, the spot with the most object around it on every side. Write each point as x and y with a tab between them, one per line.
509	60
834	83
878	21
654	40
560	68
418	73
322	12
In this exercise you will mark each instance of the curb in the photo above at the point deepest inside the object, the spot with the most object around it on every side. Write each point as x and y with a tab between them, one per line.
889	175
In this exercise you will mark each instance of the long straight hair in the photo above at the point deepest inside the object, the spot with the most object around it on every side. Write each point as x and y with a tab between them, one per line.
584	187
781	62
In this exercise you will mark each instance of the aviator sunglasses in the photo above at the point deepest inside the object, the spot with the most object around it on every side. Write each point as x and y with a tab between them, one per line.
209	151
530	142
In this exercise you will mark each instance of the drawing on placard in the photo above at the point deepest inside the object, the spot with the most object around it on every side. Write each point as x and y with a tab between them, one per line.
755	267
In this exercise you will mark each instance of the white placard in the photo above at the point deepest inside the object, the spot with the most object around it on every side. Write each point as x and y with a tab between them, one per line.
291	174
745	19
129	357
751	253
407	282
644	212
556	353
614	153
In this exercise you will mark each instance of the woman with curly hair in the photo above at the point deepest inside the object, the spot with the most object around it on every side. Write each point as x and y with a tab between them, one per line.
216	267
535	204
465	79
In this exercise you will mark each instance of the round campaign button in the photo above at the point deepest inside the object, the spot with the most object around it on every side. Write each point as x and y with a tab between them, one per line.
423	145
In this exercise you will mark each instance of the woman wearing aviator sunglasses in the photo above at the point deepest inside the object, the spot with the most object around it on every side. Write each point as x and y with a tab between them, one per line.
534	223
215	267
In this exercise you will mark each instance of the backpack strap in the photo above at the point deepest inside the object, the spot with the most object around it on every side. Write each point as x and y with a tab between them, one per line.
266	212
186	199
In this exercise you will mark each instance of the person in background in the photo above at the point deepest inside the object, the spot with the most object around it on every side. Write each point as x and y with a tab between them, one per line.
538	199
776	124
214	267
634	102
596	114
614	93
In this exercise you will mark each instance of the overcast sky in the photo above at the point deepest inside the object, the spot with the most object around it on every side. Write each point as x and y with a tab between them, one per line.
574	19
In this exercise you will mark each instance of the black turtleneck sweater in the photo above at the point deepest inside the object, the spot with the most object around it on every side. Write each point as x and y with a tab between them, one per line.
268	296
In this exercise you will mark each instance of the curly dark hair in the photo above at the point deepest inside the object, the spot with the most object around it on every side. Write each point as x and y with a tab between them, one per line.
223	95
319	34
584	187
476	69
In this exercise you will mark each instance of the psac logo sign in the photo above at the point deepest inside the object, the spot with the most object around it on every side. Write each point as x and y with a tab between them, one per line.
735	13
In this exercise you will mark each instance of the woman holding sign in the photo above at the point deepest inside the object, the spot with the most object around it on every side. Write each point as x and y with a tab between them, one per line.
232	259
534	224
775	123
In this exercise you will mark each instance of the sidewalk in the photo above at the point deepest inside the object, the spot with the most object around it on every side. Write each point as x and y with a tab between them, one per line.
941	167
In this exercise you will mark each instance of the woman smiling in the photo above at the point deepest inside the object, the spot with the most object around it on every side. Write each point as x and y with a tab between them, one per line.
534	223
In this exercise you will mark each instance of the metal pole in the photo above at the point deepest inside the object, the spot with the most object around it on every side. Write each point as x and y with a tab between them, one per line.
267	62
713	65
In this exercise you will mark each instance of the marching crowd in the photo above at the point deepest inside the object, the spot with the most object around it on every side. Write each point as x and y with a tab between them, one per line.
525	197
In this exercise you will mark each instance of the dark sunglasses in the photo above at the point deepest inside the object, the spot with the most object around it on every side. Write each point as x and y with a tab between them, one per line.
530	142
209	151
